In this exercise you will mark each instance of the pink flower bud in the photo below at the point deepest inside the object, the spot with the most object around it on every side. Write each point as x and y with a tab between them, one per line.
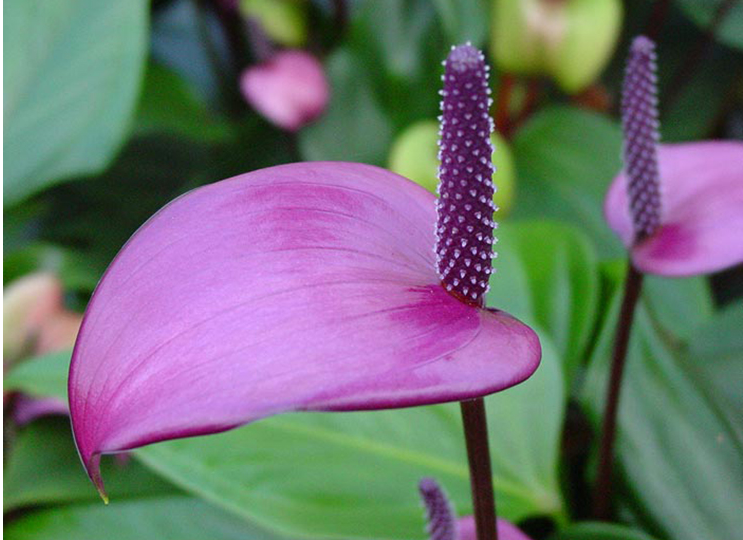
290	89
28	303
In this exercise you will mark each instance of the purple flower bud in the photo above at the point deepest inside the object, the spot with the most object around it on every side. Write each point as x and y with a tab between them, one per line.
442	521
464	230
290	89
640	123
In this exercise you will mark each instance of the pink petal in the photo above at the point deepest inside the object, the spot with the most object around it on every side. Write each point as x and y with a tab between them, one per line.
27	408
309	286
702	206
506	530
290	89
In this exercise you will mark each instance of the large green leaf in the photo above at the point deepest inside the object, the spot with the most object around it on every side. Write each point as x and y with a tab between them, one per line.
600	531
354	474
563	284
43	468
43	376
172	518
72	72
682	461
717	352
566	157
401	44
703	12
169	106
679	306
354	128
464	20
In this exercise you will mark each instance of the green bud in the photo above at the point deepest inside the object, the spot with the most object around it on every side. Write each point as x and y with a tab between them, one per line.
284	21
570	40
414	155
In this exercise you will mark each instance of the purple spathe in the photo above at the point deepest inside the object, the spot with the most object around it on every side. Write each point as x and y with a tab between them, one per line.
310	286
701	230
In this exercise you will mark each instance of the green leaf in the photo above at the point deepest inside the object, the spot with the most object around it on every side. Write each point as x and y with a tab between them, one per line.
716	349
682	461
176	517
565	158
44	468
168	106
43	376
354	128
600	531
562	270
72	74
680	306
73	267
354	475
401	46
464	20
703	12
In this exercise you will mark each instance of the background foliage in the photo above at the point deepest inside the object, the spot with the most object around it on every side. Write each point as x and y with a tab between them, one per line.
114	108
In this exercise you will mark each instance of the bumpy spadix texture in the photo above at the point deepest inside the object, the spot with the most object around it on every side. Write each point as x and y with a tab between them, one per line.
640	124
440	517
702	226
442	522
464	245
310	286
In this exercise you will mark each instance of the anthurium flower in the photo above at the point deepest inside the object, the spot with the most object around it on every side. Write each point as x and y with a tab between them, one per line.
290	89
27	409
310	286
36	322
442	522
677	207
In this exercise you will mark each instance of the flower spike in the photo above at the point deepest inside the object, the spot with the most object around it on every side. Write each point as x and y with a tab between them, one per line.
697	228
640	124
442	521
464	241
440	516
310	286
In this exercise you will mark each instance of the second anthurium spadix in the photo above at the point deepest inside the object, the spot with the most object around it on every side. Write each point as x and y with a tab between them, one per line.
311	286
677	207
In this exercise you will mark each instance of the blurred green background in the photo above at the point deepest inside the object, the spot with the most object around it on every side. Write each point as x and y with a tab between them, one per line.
111	109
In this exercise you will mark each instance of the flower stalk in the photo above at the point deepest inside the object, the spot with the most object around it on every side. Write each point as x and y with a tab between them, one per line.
464	233
632	288
481	476
640	125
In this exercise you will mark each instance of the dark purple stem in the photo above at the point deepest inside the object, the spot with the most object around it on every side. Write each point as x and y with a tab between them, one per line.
657	19
502	104
603	491
481	475
232	28
464	233
260	43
